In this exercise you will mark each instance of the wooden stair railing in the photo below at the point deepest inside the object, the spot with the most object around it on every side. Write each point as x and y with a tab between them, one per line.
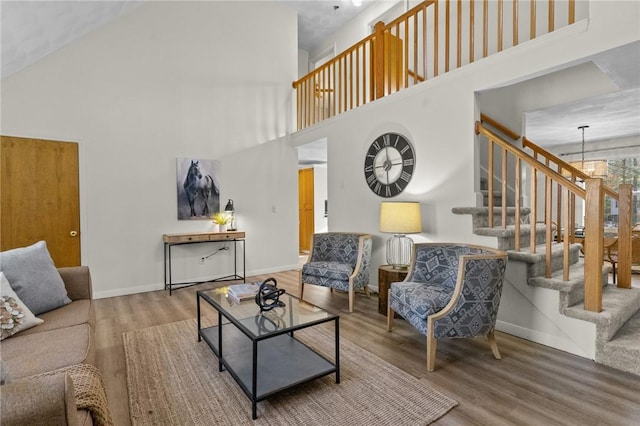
499	126
418	46
624	198
594	212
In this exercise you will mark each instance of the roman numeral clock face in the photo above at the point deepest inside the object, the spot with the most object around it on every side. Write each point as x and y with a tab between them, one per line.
389	164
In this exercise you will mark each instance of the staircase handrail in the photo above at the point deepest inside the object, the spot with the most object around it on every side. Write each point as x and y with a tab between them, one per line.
594	206
546	170
563	165
594	214
499	126
527	143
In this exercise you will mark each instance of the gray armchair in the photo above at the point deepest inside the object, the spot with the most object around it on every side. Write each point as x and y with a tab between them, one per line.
338	260
451	290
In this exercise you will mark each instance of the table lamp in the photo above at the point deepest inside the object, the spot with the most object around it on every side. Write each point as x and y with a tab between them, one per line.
230	210
399	219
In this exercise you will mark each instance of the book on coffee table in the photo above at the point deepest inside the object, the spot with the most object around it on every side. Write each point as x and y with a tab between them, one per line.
244	291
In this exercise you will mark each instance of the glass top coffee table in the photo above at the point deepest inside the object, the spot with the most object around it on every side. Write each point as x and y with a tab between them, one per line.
260	351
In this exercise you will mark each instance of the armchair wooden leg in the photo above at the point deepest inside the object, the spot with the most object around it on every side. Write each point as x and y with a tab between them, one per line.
351	297
431	351
367	291
301	286
491	338
390	314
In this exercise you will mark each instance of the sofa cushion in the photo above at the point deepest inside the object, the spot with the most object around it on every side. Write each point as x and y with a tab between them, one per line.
5	374
15	316
34	277
40	400
41	352
75	313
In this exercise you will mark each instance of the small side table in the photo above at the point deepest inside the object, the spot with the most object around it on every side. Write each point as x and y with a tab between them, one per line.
386	276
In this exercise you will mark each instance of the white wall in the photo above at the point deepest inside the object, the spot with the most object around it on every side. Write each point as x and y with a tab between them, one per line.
303	62
168	80
320	221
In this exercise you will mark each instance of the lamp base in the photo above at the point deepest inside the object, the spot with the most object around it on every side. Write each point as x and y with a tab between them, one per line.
399	251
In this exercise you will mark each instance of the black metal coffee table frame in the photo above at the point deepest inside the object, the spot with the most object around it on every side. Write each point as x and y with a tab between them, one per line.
271	361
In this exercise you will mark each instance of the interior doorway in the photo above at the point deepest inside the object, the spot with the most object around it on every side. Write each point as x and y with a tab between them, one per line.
305	208
312	192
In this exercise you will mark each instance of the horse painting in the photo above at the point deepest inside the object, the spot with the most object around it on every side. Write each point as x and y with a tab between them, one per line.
198	186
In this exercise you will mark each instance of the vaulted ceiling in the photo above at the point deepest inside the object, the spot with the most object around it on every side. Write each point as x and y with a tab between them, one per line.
33	29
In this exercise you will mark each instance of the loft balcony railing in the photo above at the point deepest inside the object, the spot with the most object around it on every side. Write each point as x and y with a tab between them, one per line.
553	191
431	39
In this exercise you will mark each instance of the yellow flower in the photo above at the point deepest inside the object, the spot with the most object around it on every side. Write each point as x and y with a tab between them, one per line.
221	218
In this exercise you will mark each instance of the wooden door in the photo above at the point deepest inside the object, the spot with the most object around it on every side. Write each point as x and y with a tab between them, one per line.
305	208
40	197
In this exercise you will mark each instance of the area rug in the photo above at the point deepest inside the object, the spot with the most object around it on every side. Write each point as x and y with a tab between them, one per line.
174	380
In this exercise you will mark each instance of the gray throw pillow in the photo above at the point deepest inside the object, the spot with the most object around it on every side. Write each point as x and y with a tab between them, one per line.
34	277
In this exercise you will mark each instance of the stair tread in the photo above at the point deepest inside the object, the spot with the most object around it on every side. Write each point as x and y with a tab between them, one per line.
629	334
557	282
623	350
509	231
525	254
618	304
484	211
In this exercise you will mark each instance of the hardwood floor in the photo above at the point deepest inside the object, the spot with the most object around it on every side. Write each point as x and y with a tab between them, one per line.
531	385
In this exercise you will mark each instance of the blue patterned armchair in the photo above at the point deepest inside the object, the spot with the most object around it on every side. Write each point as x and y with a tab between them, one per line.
338	260
451	290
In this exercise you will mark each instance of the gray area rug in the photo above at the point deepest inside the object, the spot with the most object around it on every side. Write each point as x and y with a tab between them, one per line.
174	380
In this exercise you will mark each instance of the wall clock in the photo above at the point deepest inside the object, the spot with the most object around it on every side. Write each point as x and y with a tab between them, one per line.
389	164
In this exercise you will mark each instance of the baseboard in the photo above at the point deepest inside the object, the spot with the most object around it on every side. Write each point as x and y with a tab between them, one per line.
545	339
103	294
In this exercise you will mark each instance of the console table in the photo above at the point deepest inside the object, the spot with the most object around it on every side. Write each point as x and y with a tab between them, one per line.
171	240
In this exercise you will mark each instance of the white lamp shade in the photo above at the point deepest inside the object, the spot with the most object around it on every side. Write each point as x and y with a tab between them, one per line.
400	217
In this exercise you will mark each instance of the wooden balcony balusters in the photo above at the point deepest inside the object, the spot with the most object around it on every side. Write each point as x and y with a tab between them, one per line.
411	48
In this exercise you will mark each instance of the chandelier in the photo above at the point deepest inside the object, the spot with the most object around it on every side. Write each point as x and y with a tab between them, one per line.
591	168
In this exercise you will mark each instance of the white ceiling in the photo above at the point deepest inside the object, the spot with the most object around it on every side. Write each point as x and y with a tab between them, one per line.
33	29
318	19
613	114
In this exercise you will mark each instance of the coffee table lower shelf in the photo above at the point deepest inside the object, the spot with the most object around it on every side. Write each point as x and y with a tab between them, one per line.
282	362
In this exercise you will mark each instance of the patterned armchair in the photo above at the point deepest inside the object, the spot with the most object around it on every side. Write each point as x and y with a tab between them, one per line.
451	290
338	260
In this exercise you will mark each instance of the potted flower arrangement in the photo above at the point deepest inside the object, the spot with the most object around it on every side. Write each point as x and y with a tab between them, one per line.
221	220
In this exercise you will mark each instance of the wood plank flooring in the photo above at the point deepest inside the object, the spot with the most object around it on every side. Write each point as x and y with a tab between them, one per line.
531	385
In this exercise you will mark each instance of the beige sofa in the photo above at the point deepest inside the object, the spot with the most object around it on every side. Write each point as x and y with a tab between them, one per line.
30	397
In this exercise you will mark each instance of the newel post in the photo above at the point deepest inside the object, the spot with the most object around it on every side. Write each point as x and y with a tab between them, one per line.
594	242
624	235
378	59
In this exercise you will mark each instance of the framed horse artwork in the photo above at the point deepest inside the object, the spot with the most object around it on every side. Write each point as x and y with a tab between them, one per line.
198	188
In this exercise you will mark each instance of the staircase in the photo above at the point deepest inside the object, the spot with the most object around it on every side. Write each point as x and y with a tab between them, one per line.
617	326
555	293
